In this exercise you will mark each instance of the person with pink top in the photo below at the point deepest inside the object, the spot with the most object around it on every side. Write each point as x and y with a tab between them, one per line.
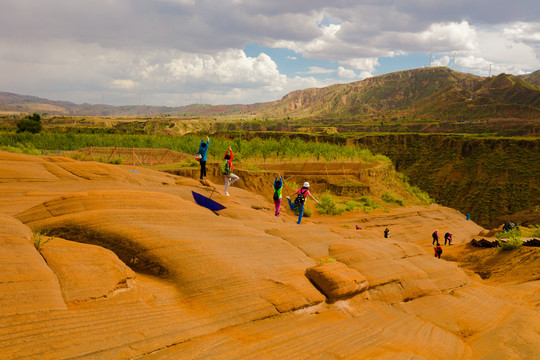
300	200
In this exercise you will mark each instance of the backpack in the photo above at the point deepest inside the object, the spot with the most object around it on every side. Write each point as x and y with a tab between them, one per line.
300	198
277	186
226	168
439	250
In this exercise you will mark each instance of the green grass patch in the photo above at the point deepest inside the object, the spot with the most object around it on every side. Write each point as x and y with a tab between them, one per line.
513	239
391	198
328	206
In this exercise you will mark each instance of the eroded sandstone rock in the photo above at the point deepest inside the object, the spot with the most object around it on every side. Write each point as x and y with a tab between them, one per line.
27	284
337	280
86	272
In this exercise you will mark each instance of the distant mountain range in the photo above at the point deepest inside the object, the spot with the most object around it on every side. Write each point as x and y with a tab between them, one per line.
433	93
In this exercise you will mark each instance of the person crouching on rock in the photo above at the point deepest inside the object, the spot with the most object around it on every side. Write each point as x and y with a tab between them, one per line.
227	170
438	250
448	237
300	200
278	186
386	233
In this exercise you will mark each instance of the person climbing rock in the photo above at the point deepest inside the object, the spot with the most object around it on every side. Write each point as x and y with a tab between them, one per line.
386	233
438	250
203	149
227	170
300	200
278	186
435	236
448	237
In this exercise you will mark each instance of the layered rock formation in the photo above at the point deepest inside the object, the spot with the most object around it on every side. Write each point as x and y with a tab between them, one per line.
134	268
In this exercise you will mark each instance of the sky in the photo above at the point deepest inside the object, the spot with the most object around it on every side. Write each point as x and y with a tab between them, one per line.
180	52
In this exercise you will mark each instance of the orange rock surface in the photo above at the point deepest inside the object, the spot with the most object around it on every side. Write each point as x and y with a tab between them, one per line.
132	267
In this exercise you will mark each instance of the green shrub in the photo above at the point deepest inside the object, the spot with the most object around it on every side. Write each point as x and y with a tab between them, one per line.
351	205
367	204
513	239
391	198
510	244
327	205
30	123
535	231
514	233
422	195
40	240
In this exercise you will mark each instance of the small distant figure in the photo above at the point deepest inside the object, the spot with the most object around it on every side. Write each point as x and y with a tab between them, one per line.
468	217
448	237
358	227
300	200
435	236
203	149
386	233
278	186
508	226
438	250
227	170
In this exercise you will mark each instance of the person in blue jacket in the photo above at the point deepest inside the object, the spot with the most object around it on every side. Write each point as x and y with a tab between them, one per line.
203	149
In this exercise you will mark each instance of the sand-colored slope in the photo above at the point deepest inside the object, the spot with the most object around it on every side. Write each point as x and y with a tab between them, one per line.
26	282
137	269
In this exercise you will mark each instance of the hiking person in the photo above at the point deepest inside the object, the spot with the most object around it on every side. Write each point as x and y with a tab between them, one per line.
438	250
203	149
448	237
227	170
300	200
435	236
386	233
278	186
508	226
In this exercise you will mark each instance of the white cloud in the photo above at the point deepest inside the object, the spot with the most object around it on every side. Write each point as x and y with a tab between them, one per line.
366	64
450	36
227	67
443	61
346	73
523	32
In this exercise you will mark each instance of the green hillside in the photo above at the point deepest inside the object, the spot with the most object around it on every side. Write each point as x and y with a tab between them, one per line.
432	93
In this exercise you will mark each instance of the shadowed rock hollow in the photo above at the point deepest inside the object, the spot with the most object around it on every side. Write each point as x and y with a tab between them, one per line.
135	268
